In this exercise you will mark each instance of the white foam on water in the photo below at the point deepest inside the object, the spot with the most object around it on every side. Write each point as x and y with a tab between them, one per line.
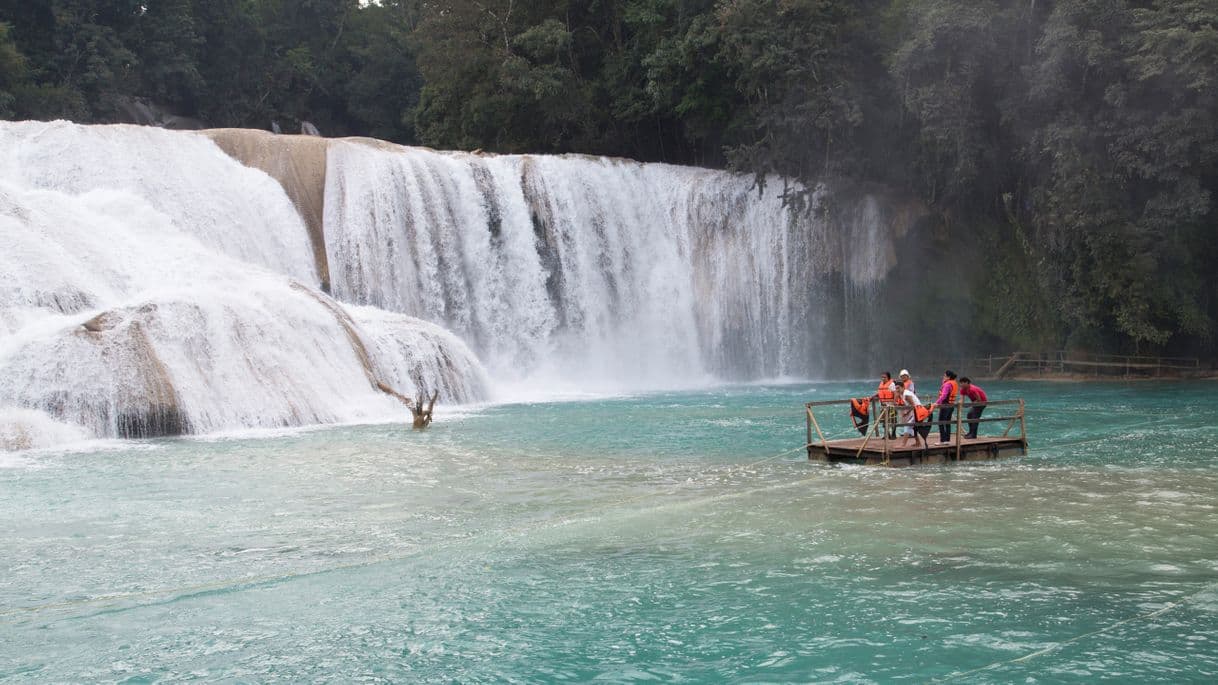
26	429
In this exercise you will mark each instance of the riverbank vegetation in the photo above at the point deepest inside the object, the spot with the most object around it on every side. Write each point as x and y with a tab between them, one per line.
1068	148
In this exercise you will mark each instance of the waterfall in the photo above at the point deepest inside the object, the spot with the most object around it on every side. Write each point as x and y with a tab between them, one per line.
615	273
161	283
154	286
233	209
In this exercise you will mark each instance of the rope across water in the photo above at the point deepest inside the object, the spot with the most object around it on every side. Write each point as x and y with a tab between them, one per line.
250	582
105	603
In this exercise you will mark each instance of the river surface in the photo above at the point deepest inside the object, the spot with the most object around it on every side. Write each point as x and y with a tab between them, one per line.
658	537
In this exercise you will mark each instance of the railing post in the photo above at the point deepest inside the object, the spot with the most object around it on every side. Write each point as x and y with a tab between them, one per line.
885	436
819	434
808	442
1023	427
959	423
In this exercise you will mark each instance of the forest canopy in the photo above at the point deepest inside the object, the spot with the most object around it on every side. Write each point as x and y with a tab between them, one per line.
1072	143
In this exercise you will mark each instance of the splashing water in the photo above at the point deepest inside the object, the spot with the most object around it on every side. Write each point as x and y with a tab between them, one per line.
154	301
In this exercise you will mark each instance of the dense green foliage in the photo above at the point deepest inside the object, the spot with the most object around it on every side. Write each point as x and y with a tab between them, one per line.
344	67
1071	144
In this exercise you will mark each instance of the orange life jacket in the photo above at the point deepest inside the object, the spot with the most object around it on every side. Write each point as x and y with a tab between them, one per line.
955	390
858	411
862	405
921	413
884	393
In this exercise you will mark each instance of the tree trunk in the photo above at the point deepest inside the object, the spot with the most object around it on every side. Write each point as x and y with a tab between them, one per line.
422	416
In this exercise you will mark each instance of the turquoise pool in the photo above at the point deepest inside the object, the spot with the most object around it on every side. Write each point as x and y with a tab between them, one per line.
660	537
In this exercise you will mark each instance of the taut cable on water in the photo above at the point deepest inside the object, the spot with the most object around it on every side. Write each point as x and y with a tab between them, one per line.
249	582
268	579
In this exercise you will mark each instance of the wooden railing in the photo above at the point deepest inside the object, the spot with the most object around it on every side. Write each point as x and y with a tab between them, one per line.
1060	362
885	422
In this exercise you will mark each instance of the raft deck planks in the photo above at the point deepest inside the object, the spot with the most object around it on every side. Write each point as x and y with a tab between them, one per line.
876	450
983	448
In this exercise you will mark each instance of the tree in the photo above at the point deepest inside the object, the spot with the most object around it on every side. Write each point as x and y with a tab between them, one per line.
798	64
953	66
167	44
499	75
383	89
13	71
1125	155
76	56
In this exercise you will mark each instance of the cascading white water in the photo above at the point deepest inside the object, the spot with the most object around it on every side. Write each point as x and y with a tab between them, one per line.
418	355
154	285
228	207
614	273
130	307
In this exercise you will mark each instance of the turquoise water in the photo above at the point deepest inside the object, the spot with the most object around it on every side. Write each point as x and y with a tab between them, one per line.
661	537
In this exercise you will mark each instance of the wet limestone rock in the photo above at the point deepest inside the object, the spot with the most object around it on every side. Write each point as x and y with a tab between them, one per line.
115	384
144	401
299	164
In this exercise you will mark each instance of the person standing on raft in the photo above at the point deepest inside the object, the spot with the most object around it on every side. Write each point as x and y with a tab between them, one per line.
904	377
948	392
886	396
912	412
886	392
860	407
978	398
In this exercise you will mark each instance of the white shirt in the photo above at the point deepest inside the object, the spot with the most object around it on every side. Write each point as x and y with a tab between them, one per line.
911	400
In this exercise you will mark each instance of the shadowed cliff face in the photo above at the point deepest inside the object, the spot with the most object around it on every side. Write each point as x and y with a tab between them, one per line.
117	384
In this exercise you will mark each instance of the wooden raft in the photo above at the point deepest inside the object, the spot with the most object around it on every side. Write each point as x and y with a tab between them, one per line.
878	449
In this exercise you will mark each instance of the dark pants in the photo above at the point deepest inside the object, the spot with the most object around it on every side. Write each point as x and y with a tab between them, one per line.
861	421
945	426
974	412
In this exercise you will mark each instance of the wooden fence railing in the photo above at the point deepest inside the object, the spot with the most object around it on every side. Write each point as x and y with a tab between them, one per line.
1062	362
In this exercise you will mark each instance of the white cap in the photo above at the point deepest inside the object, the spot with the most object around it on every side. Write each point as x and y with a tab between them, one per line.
904	372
